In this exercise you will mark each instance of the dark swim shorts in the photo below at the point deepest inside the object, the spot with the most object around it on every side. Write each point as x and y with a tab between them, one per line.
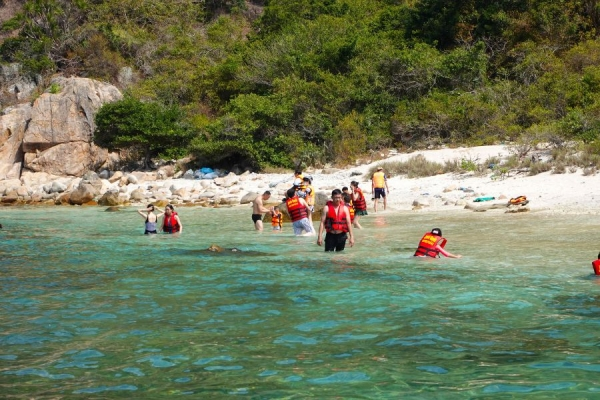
256	217
379	192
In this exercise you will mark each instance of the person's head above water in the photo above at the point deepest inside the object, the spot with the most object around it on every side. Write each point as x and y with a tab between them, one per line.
437	231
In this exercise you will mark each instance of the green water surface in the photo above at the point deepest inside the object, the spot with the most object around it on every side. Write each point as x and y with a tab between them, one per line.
92	308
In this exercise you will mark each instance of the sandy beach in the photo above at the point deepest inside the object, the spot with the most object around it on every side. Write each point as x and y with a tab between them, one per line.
571	192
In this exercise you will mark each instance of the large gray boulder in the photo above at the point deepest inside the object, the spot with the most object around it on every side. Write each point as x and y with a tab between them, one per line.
83	194
58	138
13	123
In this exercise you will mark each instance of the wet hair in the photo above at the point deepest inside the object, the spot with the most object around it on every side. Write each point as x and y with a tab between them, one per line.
335	192
150	206
291	193
437	231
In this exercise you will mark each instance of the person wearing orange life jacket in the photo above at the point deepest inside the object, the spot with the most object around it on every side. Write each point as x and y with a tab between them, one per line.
306	191
432	245
171	221
359	203
298	177
596	265
348	202
335	220
300	214
276	219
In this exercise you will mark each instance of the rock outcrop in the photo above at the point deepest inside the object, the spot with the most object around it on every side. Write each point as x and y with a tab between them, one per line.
54	135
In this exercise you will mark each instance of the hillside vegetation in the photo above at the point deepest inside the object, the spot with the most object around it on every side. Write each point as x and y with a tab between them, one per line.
305	82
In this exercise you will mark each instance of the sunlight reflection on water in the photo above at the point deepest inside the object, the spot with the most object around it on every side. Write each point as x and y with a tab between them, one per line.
84	290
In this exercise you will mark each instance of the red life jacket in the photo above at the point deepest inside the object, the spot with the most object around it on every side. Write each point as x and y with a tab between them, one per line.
296	210
596	266
360	204
427	245
336	222
170	224
352	212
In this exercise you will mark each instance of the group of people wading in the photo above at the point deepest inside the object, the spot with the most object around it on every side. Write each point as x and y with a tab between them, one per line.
339	216
171	222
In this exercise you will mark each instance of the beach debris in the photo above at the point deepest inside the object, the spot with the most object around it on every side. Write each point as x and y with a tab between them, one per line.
485	198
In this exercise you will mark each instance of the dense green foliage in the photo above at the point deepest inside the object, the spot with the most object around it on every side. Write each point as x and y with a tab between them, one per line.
304	82
145	127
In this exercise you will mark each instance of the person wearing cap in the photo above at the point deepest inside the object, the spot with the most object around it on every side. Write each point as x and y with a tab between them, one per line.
432	245
378	187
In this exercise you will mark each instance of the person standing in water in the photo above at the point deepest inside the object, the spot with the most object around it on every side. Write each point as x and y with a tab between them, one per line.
359	203
432	245
258	209
171	221
335	220
595	263
151	219
300	214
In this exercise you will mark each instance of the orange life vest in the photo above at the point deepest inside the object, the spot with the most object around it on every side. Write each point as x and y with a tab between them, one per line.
296	210
170	224
428	244
352	212
276	220
360	204
336	221
310	197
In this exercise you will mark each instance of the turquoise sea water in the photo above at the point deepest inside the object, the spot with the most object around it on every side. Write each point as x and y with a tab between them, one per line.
92	308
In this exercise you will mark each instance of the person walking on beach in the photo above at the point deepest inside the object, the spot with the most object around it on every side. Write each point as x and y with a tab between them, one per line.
300	214
335	220
151	219
379	186
171	221
359	203
432	245
258	209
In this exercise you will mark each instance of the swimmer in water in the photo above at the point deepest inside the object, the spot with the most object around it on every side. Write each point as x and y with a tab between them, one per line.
432	245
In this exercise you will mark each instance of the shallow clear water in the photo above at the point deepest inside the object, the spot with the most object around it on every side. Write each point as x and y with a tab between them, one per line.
90	307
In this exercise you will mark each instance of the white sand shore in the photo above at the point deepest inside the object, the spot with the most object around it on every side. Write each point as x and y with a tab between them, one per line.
571	192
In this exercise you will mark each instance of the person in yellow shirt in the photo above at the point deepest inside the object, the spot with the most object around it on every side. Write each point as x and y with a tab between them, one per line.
379	186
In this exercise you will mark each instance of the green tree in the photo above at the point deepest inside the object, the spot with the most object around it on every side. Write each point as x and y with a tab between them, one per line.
149	129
